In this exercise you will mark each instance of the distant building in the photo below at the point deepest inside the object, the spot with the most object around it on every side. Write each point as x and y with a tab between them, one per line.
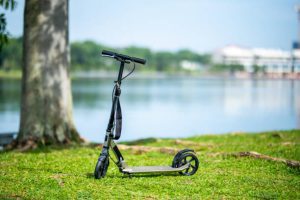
270	60
191	65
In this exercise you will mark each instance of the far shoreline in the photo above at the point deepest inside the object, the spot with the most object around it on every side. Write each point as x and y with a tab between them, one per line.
97	74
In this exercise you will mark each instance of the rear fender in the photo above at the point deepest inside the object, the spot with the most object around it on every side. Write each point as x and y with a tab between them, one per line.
177	156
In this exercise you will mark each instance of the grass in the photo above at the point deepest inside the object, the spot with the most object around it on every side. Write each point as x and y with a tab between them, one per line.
67	173
12	74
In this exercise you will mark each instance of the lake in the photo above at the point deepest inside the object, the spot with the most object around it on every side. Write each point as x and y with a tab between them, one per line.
173	107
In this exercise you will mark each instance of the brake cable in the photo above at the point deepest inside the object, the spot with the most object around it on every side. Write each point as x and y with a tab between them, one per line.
130	71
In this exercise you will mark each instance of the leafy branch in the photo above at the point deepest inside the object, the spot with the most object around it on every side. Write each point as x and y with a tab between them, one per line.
4	34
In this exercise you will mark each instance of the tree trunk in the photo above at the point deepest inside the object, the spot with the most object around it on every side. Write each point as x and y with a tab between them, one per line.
46	104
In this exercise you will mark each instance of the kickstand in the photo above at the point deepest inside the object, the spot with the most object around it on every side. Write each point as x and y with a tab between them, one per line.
125	175
129	176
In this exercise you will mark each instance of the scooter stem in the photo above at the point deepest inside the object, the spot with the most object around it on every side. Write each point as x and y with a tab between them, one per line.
119	81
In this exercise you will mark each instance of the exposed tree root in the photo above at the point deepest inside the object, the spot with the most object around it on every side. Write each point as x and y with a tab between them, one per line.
145	149
32	143
184	142
196	145
289	143
22	146
253	154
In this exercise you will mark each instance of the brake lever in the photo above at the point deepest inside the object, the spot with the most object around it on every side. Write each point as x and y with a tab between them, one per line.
117	58
108	56
122	60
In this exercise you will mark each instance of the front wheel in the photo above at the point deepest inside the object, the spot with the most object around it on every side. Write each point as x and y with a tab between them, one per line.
101	167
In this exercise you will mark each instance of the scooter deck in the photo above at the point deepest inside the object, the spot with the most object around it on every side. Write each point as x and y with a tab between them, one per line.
154	169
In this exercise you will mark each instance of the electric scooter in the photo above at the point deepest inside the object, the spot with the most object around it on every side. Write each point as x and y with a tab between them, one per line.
185	161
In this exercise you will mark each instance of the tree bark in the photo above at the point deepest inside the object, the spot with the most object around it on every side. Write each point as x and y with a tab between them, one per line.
46	103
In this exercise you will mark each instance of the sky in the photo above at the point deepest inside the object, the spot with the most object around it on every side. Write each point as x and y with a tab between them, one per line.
170	25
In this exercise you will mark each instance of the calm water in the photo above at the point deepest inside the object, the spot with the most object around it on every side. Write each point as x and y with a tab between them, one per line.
173	107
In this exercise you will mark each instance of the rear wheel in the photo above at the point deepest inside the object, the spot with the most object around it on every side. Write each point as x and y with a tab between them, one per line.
191	158
177	156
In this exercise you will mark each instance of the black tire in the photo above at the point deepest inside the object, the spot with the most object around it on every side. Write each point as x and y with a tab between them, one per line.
191	158
106	164
177	156
101	167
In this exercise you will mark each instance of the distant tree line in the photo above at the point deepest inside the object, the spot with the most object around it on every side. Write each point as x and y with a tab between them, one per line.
86	56
232	68
11	55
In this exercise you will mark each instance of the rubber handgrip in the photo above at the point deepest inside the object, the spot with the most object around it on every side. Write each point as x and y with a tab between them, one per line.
108	53
122	56
138	60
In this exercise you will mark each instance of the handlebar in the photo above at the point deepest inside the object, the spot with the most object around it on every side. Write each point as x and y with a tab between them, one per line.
123	57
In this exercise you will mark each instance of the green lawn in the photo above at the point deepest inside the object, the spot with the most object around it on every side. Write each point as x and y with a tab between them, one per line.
67	173
13	74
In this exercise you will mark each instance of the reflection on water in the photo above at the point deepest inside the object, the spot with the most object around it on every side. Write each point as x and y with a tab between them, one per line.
173	107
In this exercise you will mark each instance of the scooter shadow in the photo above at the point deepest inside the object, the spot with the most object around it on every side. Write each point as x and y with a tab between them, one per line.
127	176
151	175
